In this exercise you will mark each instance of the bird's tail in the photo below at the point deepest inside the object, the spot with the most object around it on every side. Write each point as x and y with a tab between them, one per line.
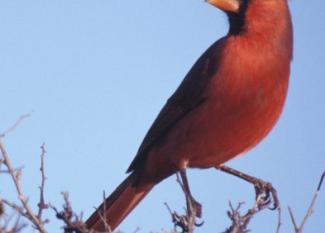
118	205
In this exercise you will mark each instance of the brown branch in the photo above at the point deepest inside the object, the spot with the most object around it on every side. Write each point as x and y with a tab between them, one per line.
239	222
15	207
15	125
2	208
15	175
103	216
321	182
293	220
25	210
6	225
72	222
310	210
279	220
42	205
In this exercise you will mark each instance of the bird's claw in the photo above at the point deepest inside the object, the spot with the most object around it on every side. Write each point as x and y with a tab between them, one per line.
180	221
185	222
265	195
199	224
195	207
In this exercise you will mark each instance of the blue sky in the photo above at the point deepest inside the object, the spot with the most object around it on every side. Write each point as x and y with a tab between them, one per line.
94	75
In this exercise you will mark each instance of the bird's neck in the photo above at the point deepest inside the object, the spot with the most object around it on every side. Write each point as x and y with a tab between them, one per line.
269	22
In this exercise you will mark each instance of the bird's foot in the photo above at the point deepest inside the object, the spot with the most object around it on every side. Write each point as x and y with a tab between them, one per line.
185	222
194	206
193	209
266	195
265	192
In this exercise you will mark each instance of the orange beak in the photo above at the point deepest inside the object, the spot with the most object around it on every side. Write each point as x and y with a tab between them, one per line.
226	5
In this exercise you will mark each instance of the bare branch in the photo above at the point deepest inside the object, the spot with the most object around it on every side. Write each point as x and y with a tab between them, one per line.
14	126
279	220
239	222
7	224
103	216
310	210
15	175
2	208
15	207
72	222
293	220
42	205
321	182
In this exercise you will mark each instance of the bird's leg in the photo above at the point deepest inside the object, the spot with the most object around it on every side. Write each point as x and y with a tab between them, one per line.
265	192
192	204
186	222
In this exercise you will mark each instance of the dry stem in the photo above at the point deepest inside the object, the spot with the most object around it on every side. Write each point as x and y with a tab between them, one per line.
310	210
15	174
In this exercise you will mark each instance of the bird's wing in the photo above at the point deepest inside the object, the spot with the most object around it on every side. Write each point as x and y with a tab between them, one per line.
188	96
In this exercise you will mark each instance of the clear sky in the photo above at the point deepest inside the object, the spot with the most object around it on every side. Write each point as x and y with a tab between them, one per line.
95	74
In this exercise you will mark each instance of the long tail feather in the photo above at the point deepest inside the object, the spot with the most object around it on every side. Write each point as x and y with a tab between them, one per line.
118	205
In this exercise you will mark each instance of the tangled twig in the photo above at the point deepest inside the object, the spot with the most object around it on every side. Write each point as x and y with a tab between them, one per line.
15	174
72	222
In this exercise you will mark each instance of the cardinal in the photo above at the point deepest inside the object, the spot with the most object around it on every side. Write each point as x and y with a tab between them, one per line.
226	104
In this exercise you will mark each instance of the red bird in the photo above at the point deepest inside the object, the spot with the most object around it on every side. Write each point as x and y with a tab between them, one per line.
227	103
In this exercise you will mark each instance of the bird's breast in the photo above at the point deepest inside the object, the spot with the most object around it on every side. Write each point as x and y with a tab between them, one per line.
244	102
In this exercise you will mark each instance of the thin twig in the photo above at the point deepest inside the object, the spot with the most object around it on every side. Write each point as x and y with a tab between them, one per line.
15	207
15	175
136	230
42	205
7	227
279	219
14	126
103	216
293	220
240	221
72	222
321	182
310	210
